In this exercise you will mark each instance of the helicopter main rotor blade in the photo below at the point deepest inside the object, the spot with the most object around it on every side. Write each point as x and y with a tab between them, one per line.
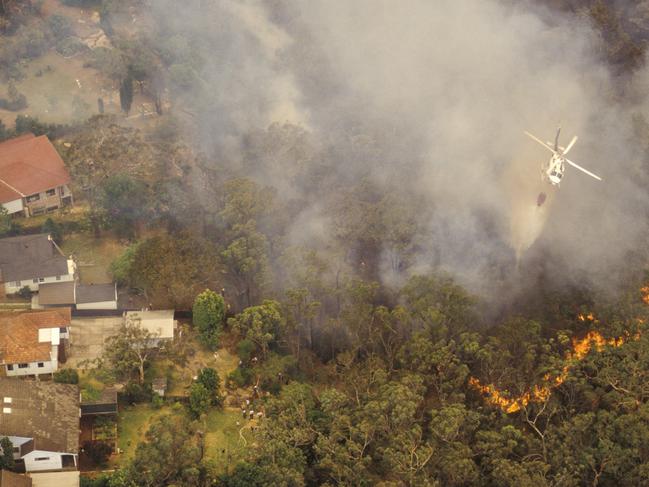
572	142
540	142
583	170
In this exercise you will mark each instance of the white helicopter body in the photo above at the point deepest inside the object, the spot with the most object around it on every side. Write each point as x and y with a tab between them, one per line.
554	170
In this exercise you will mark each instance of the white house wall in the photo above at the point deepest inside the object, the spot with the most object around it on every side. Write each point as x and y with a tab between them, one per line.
98	305
14	206
33	369
49	460
15	286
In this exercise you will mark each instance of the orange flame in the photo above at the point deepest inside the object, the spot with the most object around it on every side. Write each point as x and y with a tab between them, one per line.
580	348
645	294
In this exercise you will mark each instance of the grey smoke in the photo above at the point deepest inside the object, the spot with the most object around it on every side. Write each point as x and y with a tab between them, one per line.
430	99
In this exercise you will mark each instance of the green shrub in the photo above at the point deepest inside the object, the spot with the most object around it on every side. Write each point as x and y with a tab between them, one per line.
245	349
240	377
156	401
135	392
98	451
25	292
54	229
66	376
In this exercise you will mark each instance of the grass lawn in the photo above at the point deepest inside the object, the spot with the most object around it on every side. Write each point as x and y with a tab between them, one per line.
223	443
93	256
132	423
60	90
180	377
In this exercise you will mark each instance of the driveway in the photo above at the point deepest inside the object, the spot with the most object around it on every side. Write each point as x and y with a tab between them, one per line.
88	335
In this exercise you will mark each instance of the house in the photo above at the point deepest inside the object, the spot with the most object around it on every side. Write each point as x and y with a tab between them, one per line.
159	323
159	386
72	293
33	342
22	446
31	260
97	296
55	294
33	177
46	412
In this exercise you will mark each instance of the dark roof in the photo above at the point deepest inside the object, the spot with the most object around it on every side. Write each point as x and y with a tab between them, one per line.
45	411
10	479
56	293
30	256
90	409
95	293
29	165
105	404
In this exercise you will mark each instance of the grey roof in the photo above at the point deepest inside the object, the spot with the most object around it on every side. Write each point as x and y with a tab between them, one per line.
30	256
160	323
95	293
45	411
56	293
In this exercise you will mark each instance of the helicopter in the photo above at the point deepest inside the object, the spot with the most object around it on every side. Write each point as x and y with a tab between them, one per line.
553	172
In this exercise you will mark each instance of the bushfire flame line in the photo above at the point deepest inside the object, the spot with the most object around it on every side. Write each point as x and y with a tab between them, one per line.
580	348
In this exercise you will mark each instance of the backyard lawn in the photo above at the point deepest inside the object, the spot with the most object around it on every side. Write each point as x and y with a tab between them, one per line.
180	376
60	90
225	440
93	256
132	424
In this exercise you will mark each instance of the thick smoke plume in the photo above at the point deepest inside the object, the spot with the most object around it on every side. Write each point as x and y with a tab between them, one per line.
429	99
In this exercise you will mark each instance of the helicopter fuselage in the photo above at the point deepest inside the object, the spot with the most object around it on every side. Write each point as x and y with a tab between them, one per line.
555	169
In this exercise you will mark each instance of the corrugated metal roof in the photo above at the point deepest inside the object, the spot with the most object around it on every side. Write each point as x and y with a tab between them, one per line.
158	322
95	293
45	411
56	293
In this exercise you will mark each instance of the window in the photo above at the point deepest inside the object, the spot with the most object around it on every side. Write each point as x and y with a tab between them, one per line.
41	279
6	410
7	400
33	197
40	459
63	329
35	280
23	366
10	367
50	192
58	278
16	449
41	365
17	283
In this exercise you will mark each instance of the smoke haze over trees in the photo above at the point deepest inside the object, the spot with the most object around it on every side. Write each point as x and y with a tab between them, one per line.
416	113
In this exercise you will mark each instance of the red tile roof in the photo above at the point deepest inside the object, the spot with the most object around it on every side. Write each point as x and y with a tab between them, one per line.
19	334
29	165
